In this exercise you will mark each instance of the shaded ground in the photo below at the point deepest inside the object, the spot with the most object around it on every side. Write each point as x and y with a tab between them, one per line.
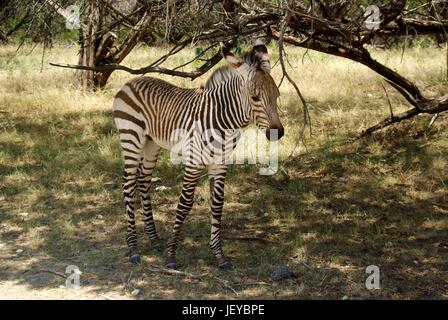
328	214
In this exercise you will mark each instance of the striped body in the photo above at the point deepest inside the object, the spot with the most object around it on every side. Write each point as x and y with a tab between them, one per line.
151	114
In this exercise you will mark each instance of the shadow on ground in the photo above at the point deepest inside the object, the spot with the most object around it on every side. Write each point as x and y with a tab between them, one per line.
337	211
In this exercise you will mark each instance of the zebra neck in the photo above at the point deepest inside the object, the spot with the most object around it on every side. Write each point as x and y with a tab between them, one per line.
232	105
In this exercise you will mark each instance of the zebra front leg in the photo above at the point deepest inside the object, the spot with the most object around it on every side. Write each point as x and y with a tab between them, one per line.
217	175
150	154
191	178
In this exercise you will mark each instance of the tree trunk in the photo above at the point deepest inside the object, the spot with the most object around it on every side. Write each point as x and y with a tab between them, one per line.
88	39
100	49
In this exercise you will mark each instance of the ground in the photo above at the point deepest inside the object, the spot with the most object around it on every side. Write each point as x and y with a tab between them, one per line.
333	208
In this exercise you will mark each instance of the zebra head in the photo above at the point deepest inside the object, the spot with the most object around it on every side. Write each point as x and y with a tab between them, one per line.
261	92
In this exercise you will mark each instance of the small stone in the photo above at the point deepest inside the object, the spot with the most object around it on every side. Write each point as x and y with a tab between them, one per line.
342	179
389	244
155	179
281	273
162	188
197	198
23	214
266	214
61	287
345	298
99	217
415	262
135	292
19	251
370	95
201	261
111	184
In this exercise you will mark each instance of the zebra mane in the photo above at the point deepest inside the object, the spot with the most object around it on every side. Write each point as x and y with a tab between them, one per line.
225	73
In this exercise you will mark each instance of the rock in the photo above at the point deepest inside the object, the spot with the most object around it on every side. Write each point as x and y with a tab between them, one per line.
345	298
61	287
23	214
156	179
162	188
19	251
99	217
111	184
281	273
197	198
415	262
135	292
342	179
389	244
266	214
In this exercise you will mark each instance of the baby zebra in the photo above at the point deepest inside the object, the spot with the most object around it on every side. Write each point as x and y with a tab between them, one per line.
151	114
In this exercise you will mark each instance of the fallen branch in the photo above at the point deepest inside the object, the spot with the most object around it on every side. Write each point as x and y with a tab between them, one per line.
246	239
225	283
175	272
387	122
50	271
434	106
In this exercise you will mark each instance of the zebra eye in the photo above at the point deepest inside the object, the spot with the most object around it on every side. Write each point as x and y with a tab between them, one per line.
255	98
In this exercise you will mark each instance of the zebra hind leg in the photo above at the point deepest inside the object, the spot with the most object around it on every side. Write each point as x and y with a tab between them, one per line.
129	187
132	154
150	154
217	174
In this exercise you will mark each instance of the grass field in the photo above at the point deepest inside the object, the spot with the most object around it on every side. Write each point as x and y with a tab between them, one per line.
334	209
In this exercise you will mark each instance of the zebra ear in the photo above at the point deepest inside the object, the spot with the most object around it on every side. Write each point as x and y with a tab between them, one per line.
232	60
260	56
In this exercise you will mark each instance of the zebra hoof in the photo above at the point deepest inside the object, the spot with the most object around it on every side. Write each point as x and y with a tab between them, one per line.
135	259
226	265
171	265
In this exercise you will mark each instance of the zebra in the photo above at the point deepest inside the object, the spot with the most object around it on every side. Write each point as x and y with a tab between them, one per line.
148	110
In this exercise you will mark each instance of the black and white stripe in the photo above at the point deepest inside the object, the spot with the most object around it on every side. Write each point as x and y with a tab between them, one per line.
147	111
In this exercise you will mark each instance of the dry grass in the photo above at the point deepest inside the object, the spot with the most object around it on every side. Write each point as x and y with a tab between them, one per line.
382	200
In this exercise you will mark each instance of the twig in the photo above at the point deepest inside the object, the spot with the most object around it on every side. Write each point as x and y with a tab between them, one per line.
386	122
433	119
246	239
191	275
51	271
306	265
388	101
176	272
226	284
285	73
130	277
